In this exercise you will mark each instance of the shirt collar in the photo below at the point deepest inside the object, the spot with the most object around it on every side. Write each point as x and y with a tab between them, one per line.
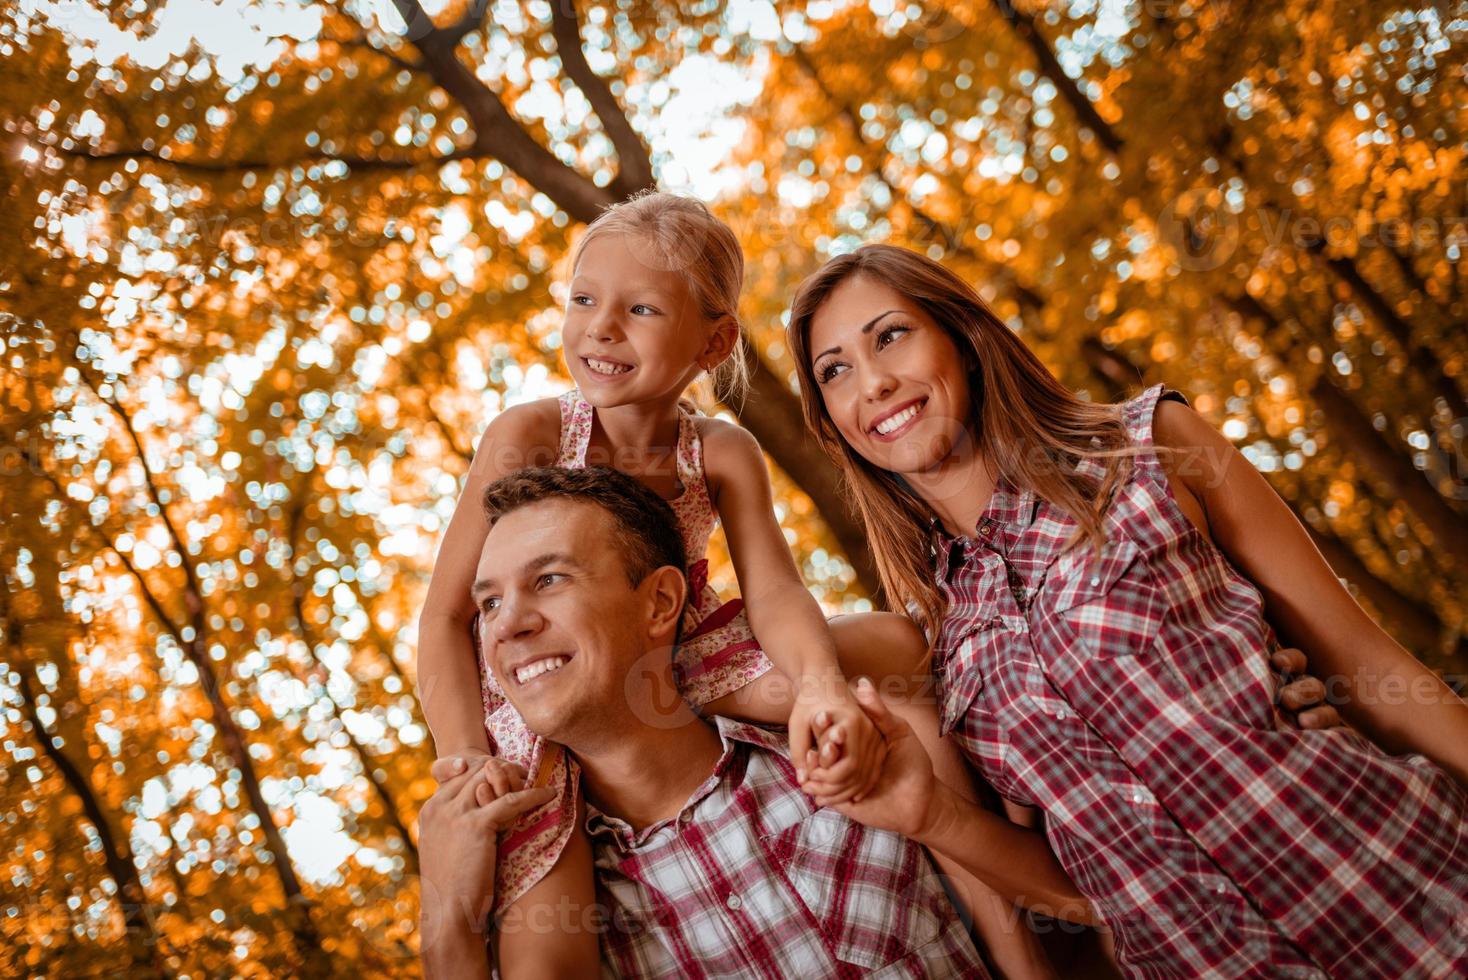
1010	508
733	735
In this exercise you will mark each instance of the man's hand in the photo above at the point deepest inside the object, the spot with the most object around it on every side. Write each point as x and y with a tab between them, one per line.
458	831
903	798
836	749
1303	695
447	767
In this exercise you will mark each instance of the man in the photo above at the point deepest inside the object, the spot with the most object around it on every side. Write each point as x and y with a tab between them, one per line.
709	858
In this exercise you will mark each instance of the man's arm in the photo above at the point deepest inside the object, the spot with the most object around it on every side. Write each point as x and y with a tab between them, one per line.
458	831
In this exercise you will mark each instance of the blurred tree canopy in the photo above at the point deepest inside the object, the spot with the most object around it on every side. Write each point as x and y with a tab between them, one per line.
269	268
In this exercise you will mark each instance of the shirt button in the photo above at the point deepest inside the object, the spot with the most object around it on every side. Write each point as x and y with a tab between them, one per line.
1095	581
1137	798
1060	714
734	902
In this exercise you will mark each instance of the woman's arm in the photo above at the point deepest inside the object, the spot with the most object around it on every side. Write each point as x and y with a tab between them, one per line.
910	800
785	618
1389	694
448	675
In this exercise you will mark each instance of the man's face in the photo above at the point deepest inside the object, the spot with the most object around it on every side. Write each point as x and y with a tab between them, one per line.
561	625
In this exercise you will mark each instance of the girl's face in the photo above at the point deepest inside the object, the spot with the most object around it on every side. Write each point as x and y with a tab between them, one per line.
892	380
633	332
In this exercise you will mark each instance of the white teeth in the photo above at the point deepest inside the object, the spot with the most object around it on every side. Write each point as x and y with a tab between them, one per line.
607	367
897	420
532	671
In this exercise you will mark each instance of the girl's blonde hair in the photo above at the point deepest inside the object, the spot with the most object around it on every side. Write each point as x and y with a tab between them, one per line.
680	234
1031	428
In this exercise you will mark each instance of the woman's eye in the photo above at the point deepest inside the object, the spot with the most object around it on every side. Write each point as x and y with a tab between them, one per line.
890	334
580	299
829	370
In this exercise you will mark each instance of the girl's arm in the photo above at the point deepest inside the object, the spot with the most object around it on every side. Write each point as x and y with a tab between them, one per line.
1389	694
448	675
785	618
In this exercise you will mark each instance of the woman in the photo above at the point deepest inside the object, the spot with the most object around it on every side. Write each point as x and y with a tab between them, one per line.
1097	578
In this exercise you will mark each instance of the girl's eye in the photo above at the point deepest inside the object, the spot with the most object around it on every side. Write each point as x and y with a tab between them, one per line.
642	309
490	604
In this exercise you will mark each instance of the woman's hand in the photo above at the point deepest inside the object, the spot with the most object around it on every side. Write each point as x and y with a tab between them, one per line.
903	798
838	752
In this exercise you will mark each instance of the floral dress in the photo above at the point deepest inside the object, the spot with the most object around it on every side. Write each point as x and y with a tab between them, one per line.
717	655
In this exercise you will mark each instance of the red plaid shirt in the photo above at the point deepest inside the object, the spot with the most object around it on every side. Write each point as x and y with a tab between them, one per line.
1130	697
751	879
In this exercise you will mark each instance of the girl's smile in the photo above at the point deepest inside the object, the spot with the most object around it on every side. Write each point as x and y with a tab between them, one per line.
632	333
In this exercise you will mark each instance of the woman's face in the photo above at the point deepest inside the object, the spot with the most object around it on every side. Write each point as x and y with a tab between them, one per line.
892	380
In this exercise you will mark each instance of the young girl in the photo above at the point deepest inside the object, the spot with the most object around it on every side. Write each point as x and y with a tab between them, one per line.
653	303
1098	594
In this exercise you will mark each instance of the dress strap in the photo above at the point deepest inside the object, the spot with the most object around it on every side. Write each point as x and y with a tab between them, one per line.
576	414
694	506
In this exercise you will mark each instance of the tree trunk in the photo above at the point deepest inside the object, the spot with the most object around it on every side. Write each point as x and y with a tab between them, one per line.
308	944
364	759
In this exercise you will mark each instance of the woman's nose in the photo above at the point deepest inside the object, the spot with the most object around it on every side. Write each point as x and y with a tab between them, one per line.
876	383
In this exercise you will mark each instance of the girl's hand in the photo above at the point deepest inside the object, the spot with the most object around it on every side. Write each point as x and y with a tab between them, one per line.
447	767
837	751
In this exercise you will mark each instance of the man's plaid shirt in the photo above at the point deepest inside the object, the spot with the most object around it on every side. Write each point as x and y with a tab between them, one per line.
751	879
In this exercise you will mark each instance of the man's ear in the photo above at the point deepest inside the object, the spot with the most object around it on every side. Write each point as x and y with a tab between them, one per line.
666	590
721	343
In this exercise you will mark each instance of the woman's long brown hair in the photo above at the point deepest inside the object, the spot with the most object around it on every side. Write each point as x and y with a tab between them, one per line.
1029	427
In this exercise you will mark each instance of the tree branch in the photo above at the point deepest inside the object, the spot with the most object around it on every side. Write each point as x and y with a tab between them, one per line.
359	164
496	132
364	758
634	162
1080	104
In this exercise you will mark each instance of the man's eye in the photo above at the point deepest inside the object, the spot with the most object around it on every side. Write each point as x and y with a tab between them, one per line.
548	578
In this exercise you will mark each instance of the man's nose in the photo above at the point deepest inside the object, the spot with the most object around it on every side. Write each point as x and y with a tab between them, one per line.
516	619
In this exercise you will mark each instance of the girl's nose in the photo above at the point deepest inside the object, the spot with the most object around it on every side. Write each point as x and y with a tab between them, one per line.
602	327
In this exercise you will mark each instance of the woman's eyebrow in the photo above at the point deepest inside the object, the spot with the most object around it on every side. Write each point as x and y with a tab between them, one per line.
866	328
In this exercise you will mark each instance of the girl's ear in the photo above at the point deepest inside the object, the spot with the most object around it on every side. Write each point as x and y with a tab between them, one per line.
722	339
667	591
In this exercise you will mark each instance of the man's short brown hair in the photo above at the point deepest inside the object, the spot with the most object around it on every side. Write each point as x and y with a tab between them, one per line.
646	528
